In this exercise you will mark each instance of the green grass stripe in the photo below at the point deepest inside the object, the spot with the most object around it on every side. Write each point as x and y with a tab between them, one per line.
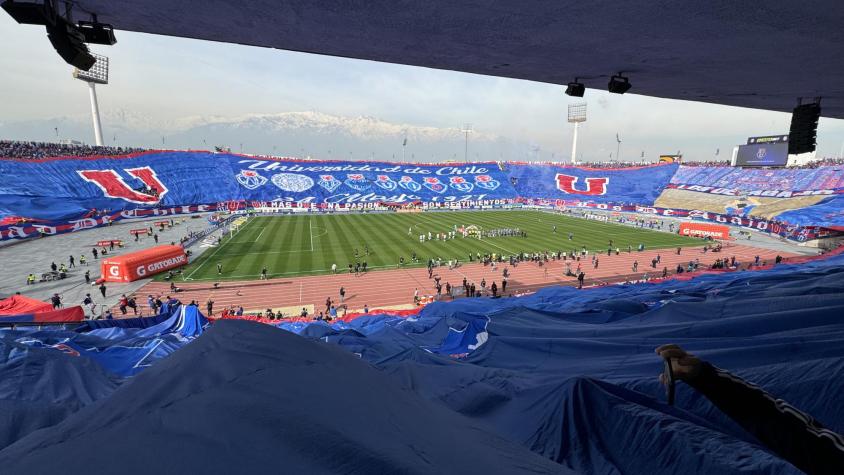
284	243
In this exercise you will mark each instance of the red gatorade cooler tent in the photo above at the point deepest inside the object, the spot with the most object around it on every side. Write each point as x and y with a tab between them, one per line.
715	231
142	264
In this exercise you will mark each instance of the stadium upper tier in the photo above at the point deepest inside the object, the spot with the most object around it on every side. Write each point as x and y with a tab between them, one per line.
57	195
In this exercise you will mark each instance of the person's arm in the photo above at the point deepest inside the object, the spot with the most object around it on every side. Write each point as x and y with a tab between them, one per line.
784	429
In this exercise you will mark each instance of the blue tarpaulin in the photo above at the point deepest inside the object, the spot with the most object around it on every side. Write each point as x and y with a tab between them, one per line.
568	375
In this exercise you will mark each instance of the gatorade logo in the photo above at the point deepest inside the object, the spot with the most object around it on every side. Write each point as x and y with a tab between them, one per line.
141	271
594	186
114	270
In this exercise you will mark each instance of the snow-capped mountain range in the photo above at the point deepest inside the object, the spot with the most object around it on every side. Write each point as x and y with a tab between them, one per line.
314	134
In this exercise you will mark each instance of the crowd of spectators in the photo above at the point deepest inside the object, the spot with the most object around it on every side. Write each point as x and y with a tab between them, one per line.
706	163
37	150
824	162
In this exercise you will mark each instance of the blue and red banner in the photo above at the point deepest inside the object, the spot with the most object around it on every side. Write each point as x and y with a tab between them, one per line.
62	315
53	196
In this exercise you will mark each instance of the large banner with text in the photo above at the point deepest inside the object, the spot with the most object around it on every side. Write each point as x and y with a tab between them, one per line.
52	196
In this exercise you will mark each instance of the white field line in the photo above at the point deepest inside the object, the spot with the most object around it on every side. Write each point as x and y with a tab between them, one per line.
311	233
204	261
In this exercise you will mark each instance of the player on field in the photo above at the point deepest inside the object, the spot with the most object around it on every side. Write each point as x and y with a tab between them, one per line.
219	268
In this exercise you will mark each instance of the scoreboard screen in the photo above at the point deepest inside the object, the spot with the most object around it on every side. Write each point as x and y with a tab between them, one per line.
762	155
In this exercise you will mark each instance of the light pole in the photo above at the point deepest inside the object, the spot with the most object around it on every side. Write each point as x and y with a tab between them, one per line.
98	74
577	114
467	129
617	148
403	146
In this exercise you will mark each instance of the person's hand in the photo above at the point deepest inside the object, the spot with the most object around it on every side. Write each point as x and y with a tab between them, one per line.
685	366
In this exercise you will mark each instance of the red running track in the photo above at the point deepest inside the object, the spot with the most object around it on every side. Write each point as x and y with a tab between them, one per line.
388	288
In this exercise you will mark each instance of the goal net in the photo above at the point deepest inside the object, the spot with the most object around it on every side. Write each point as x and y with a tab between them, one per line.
236	225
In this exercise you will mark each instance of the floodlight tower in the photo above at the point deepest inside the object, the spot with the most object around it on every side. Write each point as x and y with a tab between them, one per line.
577	114
98	74
467	129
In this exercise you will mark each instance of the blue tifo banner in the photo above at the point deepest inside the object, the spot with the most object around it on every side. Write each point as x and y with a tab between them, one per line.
828	213
775	183
629	185
53	196
60	195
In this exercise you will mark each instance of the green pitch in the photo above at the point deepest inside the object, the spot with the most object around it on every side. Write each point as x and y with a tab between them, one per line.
304	245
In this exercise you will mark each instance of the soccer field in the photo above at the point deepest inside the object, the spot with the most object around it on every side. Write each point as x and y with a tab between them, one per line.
309	244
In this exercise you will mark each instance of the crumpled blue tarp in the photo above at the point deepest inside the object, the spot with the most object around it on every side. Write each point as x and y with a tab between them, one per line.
568	374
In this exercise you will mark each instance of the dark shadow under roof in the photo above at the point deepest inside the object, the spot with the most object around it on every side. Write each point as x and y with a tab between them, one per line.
760	54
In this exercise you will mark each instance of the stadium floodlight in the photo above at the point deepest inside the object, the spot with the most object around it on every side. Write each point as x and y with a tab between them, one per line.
467	129
577	114
575	89
618	84
96	74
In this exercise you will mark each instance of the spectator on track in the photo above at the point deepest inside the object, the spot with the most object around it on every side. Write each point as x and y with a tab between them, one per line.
342	294
209	306
56	300
102	289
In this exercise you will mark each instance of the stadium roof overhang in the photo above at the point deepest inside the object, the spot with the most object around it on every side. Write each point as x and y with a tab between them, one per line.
760	54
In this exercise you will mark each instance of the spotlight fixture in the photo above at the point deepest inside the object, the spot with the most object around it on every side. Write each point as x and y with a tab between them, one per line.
618	84
575	89
69	42
802	137
97	33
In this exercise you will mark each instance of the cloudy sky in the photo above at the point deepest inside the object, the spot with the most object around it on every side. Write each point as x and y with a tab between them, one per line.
163	78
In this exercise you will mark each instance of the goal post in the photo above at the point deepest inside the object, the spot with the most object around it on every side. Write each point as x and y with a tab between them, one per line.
238	223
